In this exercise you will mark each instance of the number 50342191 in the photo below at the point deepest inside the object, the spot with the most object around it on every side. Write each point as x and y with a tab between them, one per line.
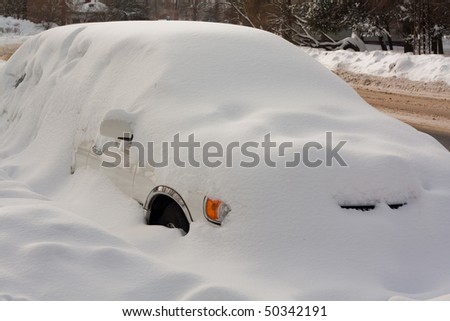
296	311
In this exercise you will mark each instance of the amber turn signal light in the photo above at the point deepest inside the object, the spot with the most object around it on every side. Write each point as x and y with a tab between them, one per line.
215	210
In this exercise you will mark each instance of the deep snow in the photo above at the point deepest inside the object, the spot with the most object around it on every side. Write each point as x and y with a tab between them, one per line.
77	237
10	26
14	32
425	68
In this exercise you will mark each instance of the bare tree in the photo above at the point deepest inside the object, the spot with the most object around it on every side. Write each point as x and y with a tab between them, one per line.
254	13
127	10
424	23
47	11
308	23
14	8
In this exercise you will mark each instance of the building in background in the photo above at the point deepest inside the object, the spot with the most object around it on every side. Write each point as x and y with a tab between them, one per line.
85	11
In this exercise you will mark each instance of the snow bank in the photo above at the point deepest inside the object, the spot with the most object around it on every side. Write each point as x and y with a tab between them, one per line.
425	68
10	26
13	32
77	237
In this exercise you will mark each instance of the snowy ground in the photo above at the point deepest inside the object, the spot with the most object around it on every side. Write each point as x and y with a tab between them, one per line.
77	237
424	68
400	49
11	27
438	90
414	89
14	32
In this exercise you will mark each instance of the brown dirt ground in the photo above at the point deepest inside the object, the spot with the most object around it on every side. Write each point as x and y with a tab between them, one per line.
415	110
7	50
426	106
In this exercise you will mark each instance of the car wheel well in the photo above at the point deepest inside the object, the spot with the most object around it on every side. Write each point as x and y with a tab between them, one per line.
157	204
165	210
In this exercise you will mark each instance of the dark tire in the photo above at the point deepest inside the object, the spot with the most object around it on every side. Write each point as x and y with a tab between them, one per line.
166	212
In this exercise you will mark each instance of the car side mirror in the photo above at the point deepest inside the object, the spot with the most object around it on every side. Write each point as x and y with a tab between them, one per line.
117	128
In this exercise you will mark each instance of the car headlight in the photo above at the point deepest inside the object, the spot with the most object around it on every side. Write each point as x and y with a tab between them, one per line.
215	210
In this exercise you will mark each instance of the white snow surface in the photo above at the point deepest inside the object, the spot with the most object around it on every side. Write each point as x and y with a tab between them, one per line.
425	68
13	32
10	26
77	237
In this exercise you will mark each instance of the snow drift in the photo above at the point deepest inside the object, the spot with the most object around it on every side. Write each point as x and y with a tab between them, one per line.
425	68
13	32
77	237
10	26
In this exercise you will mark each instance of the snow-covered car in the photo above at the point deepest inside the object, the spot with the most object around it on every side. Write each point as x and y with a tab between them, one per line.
227	84
350	204
162	204
209	80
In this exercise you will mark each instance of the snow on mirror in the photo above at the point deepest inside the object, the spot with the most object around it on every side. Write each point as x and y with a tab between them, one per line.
117	124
